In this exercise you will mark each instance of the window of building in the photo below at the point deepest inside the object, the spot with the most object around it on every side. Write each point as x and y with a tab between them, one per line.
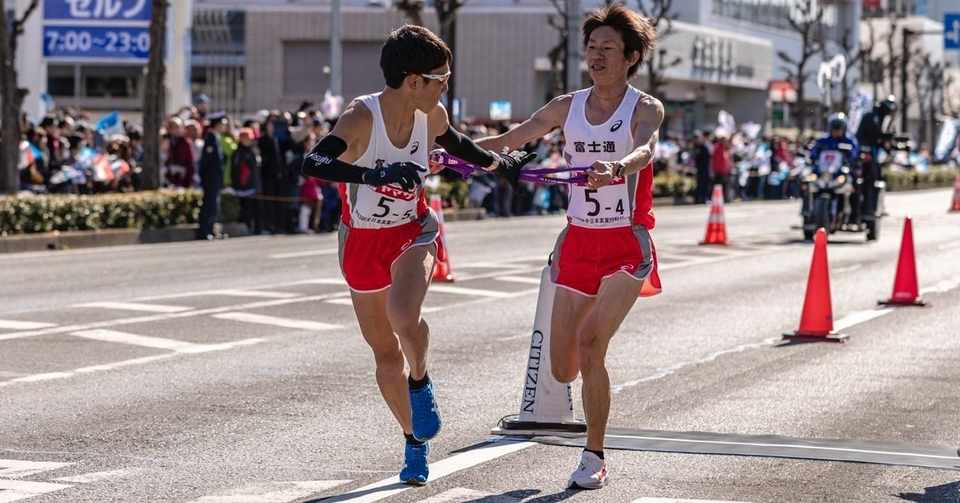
112	82
306	68
61	80
773	13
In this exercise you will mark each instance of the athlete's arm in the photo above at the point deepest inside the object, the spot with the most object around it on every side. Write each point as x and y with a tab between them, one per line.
647	118
548	118
331	158
463	147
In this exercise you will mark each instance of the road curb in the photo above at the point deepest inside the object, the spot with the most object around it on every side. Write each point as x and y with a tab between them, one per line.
68	240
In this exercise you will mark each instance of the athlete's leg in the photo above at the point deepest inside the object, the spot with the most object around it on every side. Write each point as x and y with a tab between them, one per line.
569	310
617	295
371	309
411	274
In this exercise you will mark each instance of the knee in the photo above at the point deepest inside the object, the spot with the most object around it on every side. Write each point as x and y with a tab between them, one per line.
564	372
591	357
404	318
389	360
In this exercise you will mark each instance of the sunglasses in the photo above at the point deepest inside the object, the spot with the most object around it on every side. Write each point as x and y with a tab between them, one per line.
438	77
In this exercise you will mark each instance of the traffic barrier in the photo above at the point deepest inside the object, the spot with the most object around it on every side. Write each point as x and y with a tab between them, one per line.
442	270
816	320
716	225
906	291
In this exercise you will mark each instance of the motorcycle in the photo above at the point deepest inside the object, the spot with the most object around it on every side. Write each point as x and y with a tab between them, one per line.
827	196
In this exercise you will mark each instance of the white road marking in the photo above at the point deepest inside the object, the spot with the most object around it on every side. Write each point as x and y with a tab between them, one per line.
18	468
169	316
272	492
16	490
390	487
126	363
519	279
138	340
675	500
792	446
133	306
340	302
307	253
262	319
225	293
464	495
942	287
24	325
88	478
858	317
476	292
949	246
323	281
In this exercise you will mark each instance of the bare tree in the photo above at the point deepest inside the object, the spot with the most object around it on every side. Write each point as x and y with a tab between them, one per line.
557	53
892	58
153	96
928	78
12	96
411	9
447	18
661	16
806	21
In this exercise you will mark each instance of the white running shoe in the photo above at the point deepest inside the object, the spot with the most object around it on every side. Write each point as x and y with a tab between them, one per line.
591	473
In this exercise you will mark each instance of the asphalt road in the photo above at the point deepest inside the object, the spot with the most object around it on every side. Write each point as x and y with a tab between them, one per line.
234	371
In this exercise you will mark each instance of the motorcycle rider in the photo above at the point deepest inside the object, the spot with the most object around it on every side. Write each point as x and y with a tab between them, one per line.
831	153
874	133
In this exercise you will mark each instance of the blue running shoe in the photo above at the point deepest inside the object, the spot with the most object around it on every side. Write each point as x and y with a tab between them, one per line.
426	416
415	470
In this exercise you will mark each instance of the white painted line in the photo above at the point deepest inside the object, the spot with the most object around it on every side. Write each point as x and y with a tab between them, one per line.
18	468
200	348
949	246
675	500
24	325
254	293
308	253
137	340
323	281
854	318
169	316
519	279
133	306
391	487
88	478
16	490
263	319
858	317
272	492
340	302
792	446
942	287
463	495
458	290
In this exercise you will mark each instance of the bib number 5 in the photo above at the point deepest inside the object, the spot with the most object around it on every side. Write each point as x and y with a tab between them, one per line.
596	203
383	204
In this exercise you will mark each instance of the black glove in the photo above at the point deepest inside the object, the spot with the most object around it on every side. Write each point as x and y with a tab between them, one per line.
510	165
403	173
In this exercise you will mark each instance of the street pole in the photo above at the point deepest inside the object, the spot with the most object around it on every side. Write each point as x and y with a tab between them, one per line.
572	64
336	49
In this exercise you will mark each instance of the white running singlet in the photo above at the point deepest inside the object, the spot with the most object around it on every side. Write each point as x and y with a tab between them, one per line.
612	205
371	207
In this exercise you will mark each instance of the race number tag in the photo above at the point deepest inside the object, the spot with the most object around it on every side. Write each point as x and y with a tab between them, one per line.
830	161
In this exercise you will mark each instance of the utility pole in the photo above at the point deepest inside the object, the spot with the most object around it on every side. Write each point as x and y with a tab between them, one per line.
572	64
336	49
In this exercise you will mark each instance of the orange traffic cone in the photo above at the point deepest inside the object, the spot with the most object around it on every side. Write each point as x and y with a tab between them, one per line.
956	195
716	225
906	291
816	321
442	271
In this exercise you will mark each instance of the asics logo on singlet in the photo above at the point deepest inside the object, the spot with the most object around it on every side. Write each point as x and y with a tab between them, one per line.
416	146
616	126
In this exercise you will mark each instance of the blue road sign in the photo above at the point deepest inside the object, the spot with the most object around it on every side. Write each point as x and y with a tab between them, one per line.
951	31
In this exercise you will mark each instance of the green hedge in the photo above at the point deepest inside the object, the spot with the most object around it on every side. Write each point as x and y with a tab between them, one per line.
937	176
143	210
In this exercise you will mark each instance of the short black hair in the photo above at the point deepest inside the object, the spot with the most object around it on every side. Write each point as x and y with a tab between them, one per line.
638	33
411	50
